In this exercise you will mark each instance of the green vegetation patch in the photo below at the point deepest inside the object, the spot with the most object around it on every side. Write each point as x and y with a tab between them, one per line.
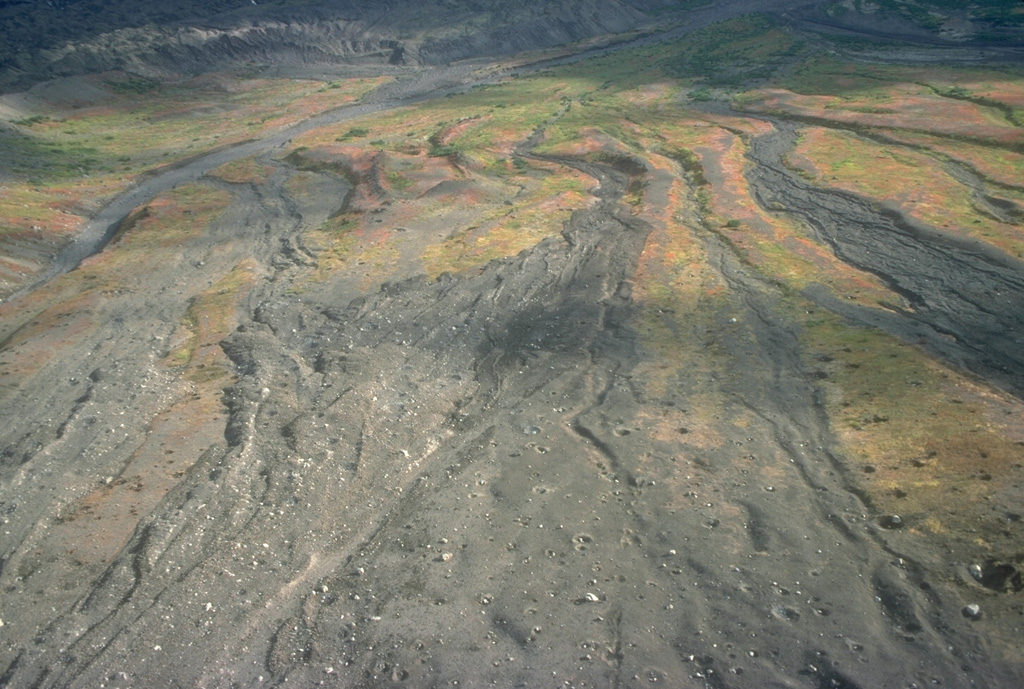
132	84
244	171
210	317
912	179
921	438
735	52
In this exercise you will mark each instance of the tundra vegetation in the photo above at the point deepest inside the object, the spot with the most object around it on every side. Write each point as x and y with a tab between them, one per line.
445	188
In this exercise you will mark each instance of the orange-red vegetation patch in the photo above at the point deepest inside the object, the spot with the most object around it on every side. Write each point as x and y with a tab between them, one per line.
903	106
44	323
429	173
724	164
1007	91
175	440
55	212
212	315
540	209
245	171
928	443
680	295
166	221
453	198
360	166
739	125
14	271
671	270
999	165
907	178
47	332
648	95
448	134
777	244
92	147
587	144
662	192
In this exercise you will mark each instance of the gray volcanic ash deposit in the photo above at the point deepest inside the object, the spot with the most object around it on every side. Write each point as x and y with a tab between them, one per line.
253	436
188	37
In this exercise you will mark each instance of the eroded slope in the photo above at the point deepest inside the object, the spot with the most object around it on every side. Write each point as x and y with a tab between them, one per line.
597	376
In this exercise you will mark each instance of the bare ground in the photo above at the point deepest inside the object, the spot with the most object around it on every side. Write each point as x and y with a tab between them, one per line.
481	479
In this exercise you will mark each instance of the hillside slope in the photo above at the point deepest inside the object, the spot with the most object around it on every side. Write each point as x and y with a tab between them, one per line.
691	359
67	37
72	37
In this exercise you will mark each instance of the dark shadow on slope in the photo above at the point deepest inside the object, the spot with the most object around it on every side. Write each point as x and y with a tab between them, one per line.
965	297
78	33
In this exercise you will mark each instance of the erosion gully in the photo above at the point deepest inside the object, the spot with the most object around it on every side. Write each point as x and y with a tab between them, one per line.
470	480
965	298
413	86
467	480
